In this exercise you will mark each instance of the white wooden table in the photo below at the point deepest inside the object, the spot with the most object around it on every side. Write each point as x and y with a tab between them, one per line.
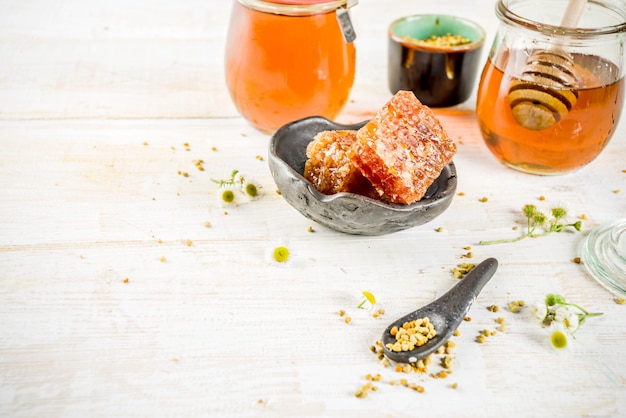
103	107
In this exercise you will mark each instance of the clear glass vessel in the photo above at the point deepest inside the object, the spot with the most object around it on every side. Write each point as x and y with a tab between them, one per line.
604	255
550	96
289	59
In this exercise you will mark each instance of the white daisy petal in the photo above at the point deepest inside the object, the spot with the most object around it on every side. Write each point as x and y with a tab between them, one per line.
561	313
571	321
239	178
540	311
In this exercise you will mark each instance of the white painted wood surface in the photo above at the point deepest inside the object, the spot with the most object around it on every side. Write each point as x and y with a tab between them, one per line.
97	102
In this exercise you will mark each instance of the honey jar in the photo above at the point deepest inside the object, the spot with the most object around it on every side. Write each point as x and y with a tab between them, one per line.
552	91
289	59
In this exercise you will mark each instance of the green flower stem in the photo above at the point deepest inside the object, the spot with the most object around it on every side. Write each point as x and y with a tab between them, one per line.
230	181
223	182
583	310
534	219
502	241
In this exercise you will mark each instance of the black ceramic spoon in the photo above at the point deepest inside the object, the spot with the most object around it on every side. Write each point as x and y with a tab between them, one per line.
445	313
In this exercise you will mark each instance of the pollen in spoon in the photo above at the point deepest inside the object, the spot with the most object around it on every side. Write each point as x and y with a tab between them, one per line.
412	334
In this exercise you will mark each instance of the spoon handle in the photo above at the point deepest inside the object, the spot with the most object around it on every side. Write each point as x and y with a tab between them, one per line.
470	286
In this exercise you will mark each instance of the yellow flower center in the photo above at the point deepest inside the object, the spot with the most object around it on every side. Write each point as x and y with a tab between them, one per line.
228	196
281	254
251	190
558	339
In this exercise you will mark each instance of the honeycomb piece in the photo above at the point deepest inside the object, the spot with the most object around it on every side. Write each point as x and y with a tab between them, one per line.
403	149
328	166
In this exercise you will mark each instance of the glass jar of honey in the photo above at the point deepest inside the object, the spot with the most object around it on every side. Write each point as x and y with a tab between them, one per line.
289	59
552	91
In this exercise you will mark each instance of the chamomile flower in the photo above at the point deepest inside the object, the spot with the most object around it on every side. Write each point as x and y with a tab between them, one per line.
560	337
539	223
571	322
553	299
279	253
565	315
560	209
237	177
246	185
250	188
561	312
366	300
237	184
563	319
226	195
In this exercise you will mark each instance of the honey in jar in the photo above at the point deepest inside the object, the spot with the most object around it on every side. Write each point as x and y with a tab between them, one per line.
289	59
571	142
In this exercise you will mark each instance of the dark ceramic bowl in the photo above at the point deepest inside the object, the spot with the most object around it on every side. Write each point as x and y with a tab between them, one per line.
347	212
439	76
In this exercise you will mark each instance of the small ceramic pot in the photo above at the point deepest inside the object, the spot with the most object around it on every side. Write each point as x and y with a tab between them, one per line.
440	76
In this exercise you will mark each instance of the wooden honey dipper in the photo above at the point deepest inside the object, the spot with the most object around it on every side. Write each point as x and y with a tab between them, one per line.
545	92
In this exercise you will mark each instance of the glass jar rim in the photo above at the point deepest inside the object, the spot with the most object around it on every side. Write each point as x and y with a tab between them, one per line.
507	15
296	2
297	9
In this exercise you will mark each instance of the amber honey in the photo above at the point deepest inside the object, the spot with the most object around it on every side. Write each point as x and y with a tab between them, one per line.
574	140
280	68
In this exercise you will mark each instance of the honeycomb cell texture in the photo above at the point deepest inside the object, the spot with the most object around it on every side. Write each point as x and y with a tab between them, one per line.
403	149
330	168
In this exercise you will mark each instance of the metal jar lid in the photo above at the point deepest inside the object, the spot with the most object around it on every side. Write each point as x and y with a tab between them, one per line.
308	8
298	7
